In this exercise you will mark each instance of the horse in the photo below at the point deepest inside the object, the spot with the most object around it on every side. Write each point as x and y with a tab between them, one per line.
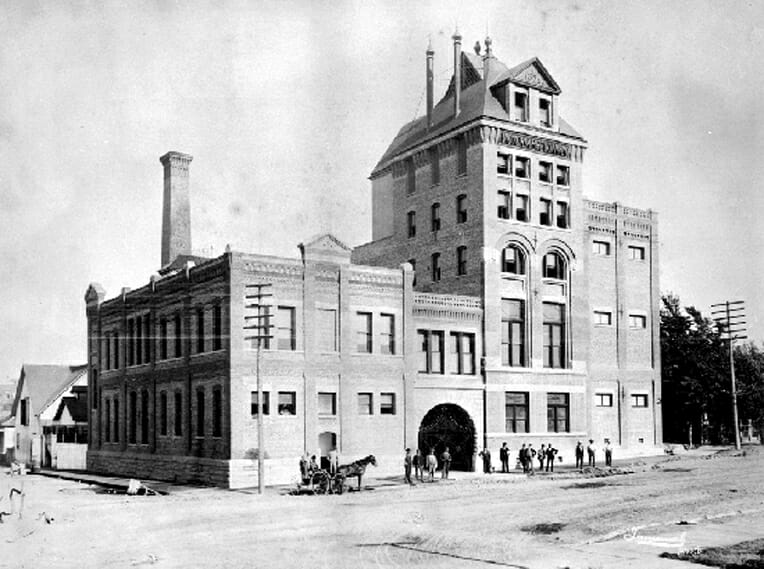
357	468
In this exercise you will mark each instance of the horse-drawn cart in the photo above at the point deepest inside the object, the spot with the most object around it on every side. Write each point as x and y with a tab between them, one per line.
320	481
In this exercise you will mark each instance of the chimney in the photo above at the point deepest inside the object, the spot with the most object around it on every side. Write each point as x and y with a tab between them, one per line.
457	71
430	55
487	61
176	217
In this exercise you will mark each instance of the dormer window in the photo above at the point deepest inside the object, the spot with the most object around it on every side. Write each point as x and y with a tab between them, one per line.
521	107
563	176
545	112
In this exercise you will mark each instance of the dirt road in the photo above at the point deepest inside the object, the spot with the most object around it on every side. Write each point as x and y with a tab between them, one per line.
500	520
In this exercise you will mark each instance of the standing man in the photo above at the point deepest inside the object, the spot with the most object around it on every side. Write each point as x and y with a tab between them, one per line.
608	453
550	456
445	458
504	457
590	451
531	454
432	464
418	466
486	454
407	463
523	456
579	456
542	457
334	461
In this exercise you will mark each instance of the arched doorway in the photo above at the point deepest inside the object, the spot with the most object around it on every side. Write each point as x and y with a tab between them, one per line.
327	441
449	425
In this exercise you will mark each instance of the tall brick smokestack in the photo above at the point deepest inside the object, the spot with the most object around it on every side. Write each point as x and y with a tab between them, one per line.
430	88
176	216
457	71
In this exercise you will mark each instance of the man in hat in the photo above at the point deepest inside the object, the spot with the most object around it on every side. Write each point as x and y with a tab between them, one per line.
590	450
579	455
407	463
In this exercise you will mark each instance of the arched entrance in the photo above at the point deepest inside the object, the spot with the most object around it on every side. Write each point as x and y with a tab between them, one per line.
449	425
327	441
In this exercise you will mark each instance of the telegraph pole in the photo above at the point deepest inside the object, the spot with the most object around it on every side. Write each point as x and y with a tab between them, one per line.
258	298
729	316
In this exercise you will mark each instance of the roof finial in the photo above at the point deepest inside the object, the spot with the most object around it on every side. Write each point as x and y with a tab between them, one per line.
488	42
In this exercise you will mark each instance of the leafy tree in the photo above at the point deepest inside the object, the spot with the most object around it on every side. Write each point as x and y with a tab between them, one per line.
696	393
749	375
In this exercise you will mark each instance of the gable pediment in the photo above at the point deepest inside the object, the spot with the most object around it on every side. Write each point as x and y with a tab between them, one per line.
327	248
533	74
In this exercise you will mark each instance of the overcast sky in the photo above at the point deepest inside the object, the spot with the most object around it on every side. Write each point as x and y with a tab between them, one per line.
287	106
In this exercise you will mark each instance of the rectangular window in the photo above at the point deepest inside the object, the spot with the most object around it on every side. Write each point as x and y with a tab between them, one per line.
364	332
545	112
516	412
601	248
435	266
133	431
503	204
521	208
217	327
410	176
521	107
563	220
115	429
558	412
327	403
199	330
200	412
636	253
147	339
554	335
603	318
603	399
462	353
25	411
138	341
163	413
411	224
107	349
431	351
512	332
178	412
217	412
287	403
461	209
639	400
387	403
178	338
144	417
563	176
461	260
116	351
327	330
286	328
107	421
435	217
461	154
434	166
545	212
503	163
365	404
163	339
387	334
637	321
545	172
266	403
522	167
129	342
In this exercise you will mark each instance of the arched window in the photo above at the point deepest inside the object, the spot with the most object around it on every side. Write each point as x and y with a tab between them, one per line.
513	260
554	266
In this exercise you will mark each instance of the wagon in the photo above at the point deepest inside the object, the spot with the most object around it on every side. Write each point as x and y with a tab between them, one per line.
322	482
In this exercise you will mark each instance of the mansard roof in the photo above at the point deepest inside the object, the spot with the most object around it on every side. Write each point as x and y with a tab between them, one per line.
476	102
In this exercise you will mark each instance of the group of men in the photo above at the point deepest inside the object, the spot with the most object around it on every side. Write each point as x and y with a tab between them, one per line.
309	466
591	452
429	463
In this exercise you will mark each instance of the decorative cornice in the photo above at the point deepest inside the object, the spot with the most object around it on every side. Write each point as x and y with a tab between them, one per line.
522	141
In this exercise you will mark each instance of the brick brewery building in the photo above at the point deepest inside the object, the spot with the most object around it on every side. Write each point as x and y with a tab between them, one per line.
495	303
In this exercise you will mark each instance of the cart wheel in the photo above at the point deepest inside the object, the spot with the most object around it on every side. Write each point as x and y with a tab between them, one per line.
339	484
320	483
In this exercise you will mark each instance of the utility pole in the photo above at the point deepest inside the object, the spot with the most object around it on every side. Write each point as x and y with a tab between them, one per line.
729	317
258	298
